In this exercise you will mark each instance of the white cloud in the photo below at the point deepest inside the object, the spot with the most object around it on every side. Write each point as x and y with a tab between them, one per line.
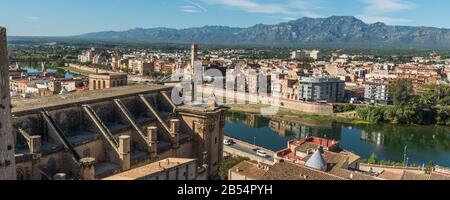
287	10
311	14
250	6
32	18
193	7
196	5
382	10
386	6
386	20
189	9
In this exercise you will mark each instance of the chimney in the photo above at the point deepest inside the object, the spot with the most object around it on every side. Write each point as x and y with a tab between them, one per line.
152	140
87	168
124	152
175	132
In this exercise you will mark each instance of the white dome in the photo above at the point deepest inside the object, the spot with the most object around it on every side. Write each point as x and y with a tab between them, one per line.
317	162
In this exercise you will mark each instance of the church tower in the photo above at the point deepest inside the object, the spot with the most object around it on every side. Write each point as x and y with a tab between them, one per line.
206	124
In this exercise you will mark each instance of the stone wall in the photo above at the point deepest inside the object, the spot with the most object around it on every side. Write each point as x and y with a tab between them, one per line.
306	107
7	161
85	138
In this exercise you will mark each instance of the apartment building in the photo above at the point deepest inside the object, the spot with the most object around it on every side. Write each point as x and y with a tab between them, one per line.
321	88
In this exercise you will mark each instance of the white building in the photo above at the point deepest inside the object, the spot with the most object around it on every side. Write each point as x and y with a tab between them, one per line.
303	54
377	93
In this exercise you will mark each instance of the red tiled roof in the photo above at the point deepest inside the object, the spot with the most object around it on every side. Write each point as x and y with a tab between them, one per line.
315	140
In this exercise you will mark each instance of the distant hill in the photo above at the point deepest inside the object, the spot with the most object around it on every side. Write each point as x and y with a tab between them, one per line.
332	32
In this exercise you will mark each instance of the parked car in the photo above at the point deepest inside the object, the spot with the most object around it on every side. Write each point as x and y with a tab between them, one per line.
261	153
228	142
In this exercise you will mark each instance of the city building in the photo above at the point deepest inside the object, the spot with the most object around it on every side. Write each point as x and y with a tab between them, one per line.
320	88
140	66
377	93
17	73
303	54
87	56
7	160
107	80
19	85
316	158
287	86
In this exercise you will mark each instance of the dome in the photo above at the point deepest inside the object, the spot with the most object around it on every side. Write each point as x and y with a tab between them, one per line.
317	162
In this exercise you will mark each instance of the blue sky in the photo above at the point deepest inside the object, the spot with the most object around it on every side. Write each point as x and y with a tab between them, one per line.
72	17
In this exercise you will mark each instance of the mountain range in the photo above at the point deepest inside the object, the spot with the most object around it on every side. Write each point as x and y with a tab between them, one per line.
332	32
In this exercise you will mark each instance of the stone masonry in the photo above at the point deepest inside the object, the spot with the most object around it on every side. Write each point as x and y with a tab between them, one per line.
7	161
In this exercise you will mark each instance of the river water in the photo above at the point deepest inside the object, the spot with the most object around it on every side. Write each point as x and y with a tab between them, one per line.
36	70
423	143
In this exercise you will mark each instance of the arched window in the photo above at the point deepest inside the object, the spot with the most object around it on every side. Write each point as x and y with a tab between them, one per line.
104	84
94	83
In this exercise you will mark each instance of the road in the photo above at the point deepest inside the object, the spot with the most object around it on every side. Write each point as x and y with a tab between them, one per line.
240	148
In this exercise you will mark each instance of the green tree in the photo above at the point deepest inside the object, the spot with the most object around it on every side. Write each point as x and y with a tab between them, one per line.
401	91
390	113
376	115
373	159
226	164
363	112
411	113
348	107
443	116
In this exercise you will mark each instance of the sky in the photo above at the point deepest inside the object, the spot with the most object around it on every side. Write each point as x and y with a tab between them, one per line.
74	17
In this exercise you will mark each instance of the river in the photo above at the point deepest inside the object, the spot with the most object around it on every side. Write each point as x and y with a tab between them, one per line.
388	142
33	70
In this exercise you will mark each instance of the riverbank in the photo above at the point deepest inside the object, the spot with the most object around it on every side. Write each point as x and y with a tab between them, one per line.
288	114
74	70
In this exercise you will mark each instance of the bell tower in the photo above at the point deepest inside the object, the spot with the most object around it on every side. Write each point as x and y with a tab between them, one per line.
206	124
